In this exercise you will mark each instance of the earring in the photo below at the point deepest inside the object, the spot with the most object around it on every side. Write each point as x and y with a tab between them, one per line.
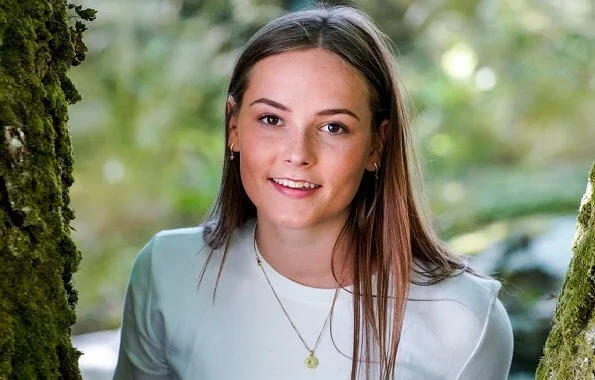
231	152
376	171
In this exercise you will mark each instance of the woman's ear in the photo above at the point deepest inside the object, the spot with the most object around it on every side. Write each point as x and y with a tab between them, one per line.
232	124
378	142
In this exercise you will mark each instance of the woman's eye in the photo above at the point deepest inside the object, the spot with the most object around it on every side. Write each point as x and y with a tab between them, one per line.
270	120
334	129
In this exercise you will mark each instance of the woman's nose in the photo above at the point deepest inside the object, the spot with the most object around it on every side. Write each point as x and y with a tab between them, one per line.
300	150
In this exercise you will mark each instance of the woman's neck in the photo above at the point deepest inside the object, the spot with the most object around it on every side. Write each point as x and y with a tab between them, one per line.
305	255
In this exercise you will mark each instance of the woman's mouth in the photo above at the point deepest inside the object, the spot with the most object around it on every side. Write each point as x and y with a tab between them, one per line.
294	189
293	184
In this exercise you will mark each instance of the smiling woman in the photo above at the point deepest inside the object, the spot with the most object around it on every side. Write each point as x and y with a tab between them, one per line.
316	261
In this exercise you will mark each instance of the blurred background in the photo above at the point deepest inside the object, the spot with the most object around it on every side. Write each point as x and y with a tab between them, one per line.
505	109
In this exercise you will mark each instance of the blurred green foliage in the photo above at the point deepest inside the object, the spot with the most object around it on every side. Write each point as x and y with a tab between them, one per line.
504	94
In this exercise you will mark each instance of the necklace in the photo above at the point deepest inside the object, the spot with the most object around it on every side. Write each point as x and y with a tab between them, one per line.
311	360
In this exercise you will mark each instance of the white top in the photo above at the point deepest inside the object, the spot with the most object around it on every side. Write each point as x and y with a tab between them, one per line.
172	329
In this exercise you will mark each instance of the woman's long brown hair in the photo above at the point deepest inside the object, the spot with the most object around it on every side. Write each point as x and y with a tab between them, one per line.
387	225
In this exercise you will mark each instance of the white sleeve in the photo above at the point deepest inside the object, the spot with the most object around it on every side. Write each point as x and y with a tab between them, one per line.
492	355
141	354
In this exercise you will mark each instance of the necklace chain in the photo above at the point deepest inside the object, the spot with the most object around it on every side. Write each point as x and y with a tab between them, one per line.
311	360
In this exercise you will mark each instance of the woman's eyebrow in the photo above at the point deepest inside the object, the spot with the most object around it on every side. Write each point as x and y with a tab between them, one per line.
271	103
336	111
328	112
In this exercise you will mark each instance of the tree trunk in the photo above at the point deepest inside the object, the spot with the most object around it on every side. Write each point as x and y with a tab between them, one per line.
570	348
37	255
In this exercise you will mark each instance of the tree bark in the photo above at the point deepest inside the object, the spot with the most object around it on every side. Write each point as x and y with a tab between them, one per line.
37	254
569	351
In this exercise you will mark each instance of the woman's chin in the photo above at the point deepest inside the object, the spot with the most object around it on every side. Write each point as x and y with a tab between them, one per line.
301	221
293	222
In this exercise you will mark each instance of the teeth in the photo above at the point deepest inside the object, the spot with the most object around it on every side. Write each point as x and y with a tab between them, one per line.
295	184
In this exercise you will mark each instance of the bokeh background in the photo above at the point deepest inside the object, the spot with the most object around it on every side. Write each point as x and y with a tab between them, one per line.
504	92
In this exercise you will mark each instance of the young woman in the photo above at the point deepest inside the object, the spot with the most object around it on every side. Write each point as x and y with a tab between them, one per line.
317	262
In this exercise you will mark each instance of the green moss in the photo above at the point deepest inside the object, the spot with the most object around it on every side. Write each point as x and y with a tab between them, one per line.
569	352
37	255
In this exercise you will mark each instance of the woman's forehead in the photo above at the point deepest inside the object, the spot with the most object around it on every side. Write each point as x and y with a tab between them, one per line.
318	74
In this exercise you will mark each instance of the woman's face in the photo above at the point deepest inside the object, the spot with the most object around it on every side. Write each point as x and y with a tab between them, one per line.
304	136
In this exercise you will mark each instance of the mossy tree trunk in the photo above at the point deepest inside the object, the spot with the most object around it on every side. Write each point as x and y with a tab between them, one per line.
39	41
570	348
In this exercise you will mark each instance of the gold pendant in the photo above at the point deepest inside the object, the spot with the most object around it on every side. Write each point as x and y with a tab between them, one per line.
311	361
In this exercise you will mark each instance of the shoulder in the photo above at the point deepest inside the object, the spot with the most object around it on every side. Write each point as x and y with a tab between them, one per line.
192	240
173	256
170	255
466	292
460	305
179	242
179	239
464	317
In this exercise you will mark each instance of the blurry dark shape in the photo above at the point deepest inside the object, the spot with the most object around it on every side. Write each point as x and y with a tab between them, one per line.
190	7
218	11
294	5
525	300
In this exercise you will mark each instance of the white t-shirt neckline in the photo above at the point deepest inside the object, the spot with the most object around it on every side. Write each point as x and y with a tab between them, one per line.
284	286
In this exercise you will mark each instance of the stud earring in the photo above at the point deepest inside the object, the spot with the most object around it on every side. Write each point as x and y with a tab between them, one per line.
231	152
